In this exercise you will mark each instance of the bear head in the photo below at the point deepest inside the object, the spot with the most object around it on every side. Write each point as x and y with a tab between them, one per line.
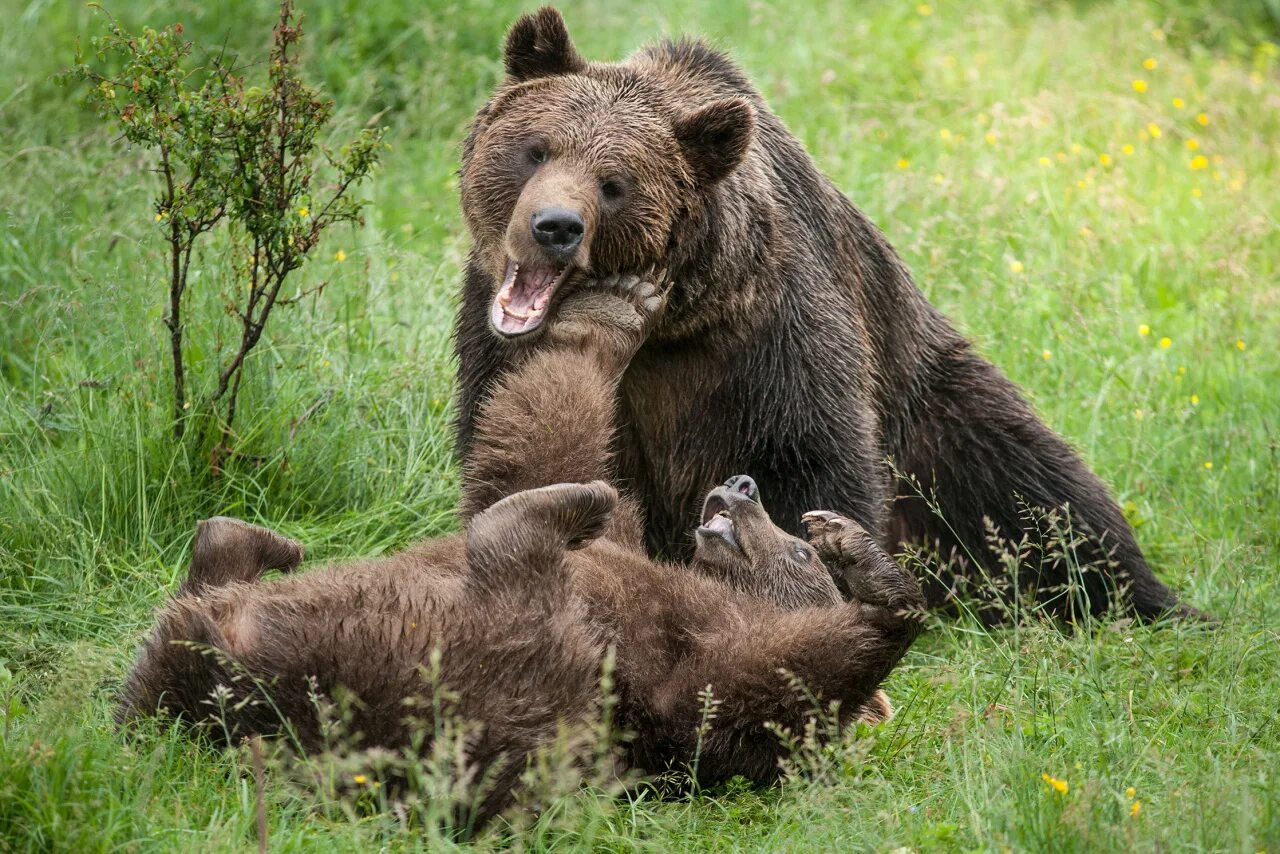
576	170
739	544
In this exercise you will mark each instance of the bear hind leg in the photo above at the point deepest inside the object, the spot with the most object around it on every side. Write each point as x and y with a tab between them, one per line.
228	550
984	462
529	532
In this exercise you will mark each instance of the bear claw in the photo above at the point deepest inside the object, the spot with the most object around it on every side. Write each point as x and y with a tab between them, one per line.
824	522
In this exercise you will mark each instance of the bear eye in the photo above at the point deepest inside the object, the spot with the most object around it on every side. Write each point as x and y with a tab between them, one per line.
611	189
538	153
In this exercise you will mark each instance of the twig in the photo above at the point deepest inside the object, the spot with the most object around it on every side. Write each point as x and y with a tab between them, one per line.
259	791
311	410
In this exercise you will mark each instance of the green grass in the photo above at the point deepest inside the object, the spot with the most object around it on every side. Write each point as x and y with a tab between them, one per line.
1052	268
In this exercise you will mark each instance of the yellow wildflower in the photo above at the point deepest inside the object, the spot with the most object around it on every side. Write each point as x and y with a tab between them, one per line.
1196	192
903	163
360	779
1046	355
1061	156
937	178
304	211
1082	183
1044	161
1126	149
1202	119
1144	330
1157	34
1166	342
925	9
1076	148
1199	162
1208	464
339	256
945	133
1104	159
1150	63
1195	401
1239	343
1178	103
1192	144
1085	231
1139	414
1016	267
1139	86
162	216
1154	130
1131	793
1182	371
1059	786
1135	808
990	137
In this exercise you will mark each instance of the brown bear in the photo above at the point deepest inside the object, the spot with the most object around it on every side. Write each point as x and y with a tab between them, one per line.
521	608
795	344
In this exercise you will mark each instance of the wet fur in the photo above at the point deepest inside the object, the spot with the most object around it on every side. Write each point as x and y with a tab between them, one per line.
522	607
795	345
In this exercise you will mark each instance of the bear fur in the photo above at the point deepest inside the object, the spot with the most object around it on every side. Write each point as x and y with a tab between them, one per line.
795	345
523	607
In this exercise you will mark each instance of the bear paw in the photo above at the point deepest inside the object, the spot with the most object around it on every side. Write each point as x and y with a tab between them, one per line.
836	539
611	314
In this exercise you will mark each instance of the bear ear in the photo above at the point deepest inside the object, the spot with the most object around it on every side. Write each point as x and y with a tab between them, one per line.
715	138
538	45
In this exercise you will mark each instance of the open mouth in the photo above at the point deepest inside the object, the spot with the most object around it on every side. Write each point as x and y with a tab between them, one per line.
521	303
716	522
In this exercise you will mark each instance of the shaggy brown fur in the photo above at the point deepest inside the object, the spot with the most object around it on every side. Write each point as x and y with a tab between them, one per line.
795	345
523	605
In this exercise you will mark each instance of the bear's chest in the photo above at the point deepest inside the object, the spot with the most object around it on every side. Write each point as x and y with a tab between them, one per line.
689	417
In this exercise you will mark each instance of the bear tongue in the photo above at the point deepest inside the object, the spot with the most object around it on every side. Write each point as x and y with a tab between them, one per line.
521	301
721	526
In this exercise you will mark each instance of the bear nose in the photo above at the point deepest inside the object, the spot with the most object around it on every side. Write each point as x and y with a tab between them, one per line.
558	229
743	485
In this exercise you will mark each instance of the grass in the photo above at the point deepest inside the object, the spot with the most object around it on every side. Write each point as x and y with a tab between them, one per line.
974	134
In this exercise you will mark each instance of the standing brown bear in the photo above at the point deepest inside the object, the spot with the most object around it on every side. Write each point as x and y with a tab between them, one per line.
795	345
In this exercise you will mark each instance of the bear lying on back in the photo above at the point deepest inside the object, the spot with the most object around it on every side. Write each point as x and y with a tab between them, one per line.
523	606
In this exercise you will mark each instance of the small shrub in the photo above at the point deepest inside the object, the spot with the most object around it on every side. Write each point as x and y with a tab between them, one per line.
228	155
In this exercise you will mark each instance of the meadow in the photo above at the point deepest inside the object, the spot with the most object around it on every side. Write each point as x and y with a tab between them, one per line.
1091	190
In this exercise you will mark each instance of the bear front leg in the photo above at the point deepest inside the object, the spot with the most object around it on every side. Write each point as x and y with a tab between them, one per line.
481	355
552	418
889	595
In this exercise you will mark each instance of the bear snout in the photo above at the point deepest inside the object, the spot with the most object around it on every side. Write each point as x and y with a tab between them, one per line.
743	485
559	230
